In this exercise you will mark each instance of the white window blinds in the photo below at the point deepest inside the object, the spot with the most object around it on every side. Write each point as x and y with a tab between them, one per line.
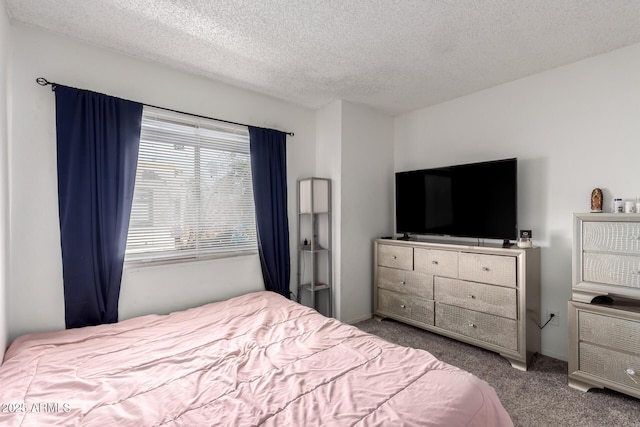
193	194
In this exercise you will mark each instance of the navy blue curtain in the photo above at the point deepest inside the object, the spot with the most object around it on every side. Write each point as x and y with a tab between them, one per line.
269	171
97	144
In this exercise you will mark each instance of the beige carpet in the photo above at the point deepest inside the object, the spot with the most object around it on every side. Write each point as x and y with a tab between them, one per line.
539	397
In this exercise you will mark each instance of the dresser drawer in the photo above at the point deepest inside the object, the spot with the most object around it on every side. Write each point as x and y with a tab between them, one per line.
495	269
395	256
406	282
436	262
621	368
616	237
407	306
490	299
607	331
481	326
620	270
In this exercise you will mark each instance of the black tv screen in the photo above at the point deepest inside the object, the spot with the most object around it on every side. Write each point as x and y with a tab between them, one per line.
476	200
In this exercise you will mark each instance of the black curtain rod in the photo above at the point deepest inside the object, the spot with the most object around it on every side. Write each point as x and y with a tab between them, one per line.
44	82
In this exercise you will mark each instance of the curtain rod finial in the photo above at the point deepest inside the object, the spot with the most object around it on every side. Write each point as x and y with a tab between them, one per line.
44	82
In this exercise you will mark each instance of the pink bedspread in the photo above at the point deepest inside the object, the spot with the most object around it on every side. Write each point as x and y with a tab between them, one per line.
257	359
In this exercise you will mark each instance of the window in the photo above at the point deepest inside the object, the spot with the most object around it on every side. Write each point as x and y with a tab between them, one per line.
193	195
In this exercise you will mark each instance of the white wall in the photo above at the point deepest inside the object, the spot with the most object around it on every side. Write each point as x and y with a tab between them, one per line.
354	149
366	203
4	174
36	292
328	157
573	128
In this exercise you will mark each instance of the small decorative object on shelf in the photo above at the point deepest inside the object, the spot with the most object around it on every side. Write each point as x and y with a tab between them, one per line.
524	242
629	206
618	206
596	200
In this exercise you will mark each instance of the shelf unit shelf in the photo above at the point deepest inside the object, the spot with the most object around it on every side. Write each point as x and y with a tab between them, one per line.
318	250
314	242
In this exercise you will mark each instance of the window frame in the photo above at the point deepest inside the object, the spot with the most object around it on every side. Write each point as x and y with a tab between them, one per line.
198	253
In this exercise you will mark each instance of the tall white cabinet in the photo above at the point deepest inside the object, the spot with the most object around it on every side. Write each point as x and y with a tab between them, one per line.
604	337
314	244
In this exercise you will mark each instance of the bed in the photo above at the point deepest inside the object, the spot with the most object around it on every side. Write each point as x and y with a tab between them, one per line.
257	359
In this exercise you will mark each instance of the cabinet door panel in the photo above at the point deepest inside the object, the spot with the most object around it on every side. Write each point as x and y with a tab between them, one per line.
621	368
619	270
407	306
490	299
495	269
395	256
481	326
406	282
608	331
436	262
617	237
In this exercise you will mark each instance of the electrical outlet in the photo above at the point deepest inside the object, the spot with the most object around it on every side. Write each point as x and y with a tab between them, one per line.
555	321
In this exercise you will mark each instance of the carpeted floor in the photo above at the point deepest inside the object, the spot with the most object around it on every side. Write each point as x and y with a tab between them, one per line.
539	397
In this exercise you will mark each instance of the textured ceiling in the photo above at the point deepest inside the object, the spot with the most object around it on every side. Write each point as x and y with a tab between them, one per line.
394	55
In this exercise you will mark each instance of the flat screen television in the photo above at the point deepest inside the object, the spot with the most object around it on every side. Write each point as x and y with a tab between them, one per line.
478	200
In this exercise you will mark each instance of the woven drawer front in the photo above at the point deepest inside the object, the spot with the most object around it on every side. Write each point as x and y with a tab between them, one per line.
481	326
496	269
407	306
406	282
621	270
607	331
618	237
477	296
395	256
621	368
436	262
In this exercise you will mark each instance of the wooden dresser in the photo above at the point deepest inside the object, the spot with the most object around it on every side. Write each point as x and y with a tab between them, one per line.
604	339
486	296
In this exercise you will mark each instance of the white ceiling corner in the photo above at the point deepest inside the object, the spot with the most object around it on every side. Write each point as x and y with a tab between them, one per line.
393	55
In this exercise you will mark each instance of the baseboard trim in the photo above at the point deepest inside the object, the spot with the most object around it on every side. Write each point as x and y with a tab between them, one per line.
358	319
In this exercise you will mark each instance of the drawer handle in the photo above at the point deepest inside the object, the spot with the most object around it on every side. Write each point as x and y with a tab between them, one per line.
403	283
635	272
403	306
394	257
471	296
434	262
472	325
485	268
631	373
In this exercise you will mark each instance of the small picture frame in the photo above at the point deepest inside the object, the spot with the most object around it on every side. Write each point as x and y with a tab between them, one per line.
525	234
